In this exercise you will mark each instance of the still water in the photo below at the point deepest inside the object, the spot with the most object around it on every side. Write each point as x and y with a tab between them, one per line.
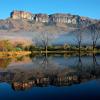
61	77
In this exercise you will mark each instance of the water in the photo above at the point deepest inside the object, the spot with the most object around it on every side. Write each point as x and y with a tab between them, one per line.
62	77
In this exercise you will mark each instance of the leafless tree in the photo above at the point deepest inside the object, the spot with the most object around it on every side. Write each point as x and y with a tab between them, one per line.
95	34
78	37
42	39
45	40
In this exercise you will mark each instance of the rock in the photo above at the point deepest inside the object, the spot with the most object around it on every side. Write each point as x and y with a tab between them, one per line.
26	21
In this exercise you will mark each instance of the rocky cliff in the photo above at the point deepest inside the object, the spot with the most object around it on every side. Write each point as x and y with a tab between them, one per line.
21	20
53	18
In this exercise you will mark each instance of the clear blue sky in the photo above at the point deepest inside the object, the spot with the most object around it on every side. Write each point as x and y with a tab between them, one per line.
90	8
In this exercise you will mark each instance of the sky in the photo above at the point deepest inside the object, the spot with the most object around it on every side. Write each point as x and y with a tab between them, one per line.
89	8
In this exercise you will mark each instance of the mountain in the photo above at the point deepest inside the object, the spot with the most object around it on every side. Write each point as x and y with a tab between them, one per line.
26	26
26	21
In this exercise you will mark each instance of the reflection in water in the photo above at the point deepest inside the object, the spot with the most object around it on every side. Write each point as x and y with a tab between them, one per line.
4	62
40	71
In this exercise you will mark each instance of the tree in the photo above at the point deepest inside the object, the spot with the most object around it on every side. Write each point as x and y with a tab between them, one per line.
31	48
95	34
45	40
20	45
1	46
78	36
5	45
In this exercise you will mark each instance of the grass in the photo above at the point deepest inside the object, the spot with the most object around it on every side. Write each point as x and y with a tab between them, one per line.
22	53
14	53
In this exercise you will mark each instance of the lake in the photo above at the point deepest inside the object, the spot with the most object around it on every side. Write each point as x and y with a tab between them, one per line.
40	77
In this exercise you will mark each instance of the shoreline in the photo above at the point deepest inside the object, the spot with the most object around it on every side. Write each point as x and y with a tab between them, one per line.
14	54
24	53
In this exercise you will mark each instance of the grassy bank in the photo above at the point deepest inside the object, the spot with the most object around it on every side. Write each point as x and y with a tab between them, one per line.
23	53
67	53
62	51
14	53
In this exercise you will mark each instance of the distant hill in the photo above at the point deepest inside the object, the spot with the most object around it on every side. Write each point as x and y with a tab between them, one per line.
23	25
26	21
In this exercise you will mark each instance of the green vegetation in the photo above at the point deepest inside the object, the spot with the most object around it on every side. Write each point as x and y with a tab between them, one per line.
64	47
8	49
6	46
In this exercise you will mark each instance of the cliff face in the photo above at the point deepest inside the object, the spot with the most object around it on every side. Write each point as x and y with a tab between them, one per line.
21	15
53	18
21	20
29	16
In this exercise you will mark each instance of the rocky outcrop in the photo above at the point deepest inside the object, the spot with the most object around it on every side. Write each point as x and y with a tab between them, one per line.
64	18
41	18
26	21
22	15
29	16
53	18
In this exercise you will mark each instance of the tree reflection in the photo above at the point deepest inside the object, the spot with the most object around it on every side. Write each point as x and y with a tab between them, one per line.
49	72
45	61
94	65
79	65
4	62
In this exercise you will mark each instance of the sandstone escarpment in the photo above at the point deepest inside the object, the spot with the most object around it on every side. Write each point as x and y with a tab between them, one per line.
53	18
26	21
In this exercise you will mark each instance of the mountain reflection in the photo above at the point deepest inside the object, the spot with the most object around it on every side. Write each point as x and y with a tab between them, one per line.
40	71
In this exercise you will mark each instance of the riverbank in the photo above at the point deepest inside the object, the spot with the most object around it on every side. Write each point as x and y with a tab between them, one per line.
63	52
23	53
14	53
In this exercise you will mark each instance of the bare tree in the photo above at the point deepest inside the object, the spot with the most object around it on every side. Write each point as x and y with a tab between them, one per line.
42	39
95	34
78	36
45	41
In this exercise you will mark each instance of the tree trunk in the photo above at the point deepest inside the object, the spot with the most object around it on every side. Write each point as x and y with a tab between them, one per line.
46	50
93	46
94	64
79	48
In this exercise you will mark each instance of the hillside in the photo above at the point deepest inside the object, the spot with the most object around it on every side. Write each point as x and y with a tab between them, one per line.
25	26
26	21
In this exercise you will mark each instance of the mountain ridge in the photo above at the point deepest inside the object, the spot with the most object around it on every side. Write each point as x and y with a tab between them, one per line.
26	21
